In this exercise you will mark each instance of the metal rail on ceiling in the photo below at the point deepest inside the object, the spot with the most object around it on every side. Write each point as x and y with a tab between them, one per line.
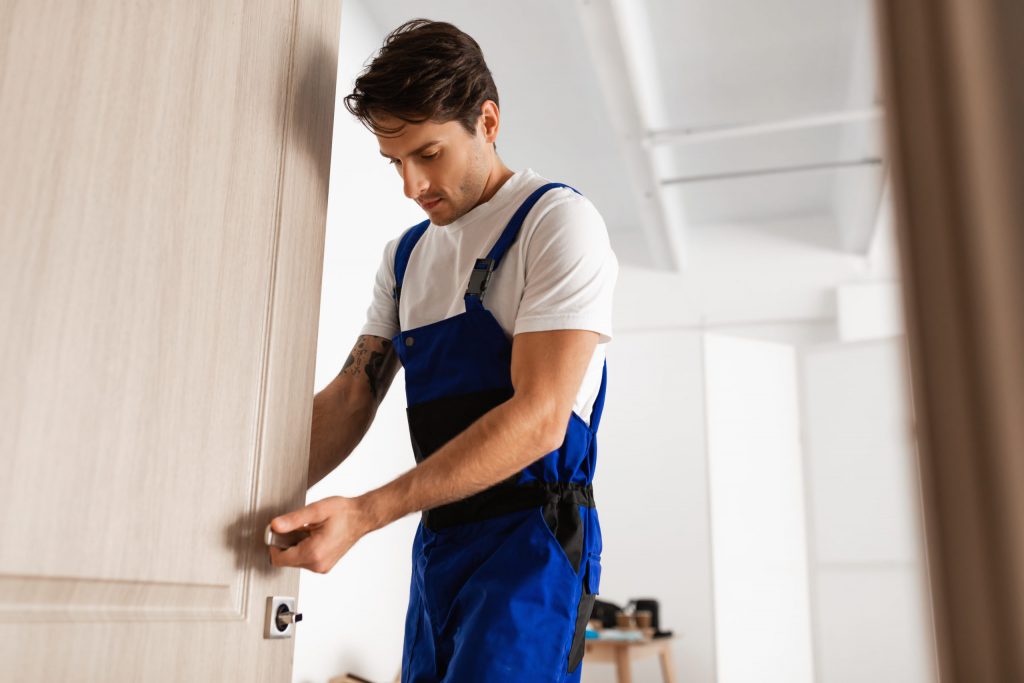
773	170
713	133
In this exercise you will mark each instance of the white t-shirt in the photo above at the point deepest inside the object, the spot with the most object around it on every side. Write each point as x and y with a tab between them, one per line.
558	274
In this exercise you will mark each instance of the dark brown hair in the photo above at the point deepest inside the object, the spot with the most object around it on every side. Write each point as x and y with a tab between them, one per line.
425	71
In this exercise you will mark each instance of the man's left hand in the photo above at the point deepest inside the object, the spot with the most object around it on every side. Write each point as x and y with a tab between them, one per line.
334	525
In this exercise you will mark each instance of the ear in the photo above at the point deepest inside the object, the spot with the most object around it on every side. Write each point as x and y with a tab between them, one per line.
489	121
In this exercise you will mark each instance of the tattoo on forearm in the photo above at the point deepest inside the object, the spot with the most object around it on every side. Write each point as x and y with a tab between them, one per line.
376	359
356	359
375	371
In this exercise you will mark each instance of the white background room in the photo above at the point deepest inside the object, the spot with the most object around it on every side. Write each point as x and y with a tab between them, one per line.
756	471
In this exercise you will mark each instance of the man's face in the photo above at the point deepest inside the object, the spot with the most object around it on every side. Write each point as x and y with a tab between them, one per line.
443	168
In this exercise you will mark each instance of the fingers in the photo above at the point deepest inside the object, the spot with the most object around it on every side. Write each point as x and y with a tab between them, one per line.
308	553
299	555
312	554
311	514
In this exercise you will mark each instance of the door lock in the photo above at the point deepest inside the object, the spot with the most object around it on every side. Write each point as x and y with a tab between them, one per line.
281	617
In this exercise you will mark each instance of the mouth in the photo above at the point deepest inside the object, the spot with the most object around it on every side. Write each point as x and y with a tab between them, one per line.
430	205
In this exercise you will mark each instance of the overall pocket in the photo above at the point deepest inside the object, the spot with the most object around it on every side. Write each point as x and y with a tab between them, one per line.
588	595
562	519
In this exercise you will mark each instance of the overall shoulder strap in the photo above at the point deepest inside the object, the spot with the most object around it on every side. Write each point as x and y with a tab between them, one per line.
405	247
483	268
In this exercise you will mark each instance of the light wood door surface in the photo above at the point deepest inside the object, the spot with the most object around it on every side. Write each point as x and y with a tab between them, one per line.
163	190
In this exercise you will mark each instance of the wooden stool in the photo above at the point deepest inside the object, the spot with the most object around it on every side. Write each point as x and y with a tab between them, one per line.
622	652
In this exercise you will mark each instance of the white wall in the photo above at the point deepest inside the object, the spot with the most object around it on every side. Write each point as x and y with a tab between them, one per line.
869	575
651	491
758	533
818	559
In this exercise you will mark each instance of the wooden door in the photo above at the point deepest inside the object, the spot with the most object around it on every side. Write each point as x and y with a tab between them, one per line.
163	190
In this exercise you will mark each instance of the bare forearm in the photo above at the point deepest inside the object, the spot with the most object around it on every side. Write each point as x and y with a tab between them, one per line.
345	408
496	446
338	427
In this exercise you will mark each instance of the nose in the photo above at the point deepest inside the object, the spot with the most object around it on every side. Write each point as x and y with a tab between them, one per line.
415	182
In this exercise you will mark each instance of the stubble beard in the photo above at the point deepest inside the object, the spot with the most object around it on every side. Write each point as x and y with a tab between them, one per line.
471	187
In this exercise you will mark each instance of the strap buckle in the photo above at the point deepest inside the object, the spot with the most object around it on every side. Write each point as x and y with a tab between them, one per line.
480	276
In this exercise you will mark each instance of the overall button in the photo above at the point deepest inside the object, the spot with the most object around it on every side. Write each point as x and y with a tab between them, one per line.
409	341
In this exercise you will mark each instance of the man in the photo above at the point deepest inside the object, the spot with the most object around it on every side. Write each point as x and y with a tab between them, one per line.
498	307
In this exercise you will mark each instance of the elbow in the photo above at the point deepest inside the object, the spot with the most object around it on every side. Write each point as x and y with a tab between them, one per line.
544	421
552	434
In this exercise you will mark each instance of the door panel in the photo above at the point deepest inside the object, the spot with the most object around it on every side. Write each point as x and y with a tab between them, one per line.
163	193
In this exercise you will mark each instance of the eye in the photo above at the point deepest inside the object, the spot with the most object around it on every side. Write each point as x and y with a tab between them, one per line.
394	161
430	156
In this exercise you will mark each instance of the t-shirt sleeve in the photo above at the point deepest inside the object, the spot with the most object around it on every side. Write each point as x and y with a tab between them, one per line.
382	315
570	272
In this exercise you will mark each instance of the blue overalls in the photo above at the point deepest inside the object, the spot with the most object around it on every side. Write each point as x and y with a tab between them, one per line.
503	582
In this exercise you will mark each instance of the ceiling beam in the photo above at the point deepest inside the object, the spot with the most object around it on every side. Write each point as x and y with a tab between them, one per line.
856	197
619	44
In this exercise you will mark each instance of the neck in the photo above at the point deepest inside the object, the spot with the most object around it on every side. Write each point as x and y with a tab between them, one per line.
495	179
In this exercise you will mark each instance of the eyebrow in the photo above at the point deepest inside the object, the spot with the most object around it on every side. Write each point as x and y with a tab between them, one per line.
415	151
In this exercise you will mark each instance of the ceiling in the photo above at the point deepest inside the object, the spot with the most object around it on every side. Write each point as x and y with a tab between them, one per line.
674	116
